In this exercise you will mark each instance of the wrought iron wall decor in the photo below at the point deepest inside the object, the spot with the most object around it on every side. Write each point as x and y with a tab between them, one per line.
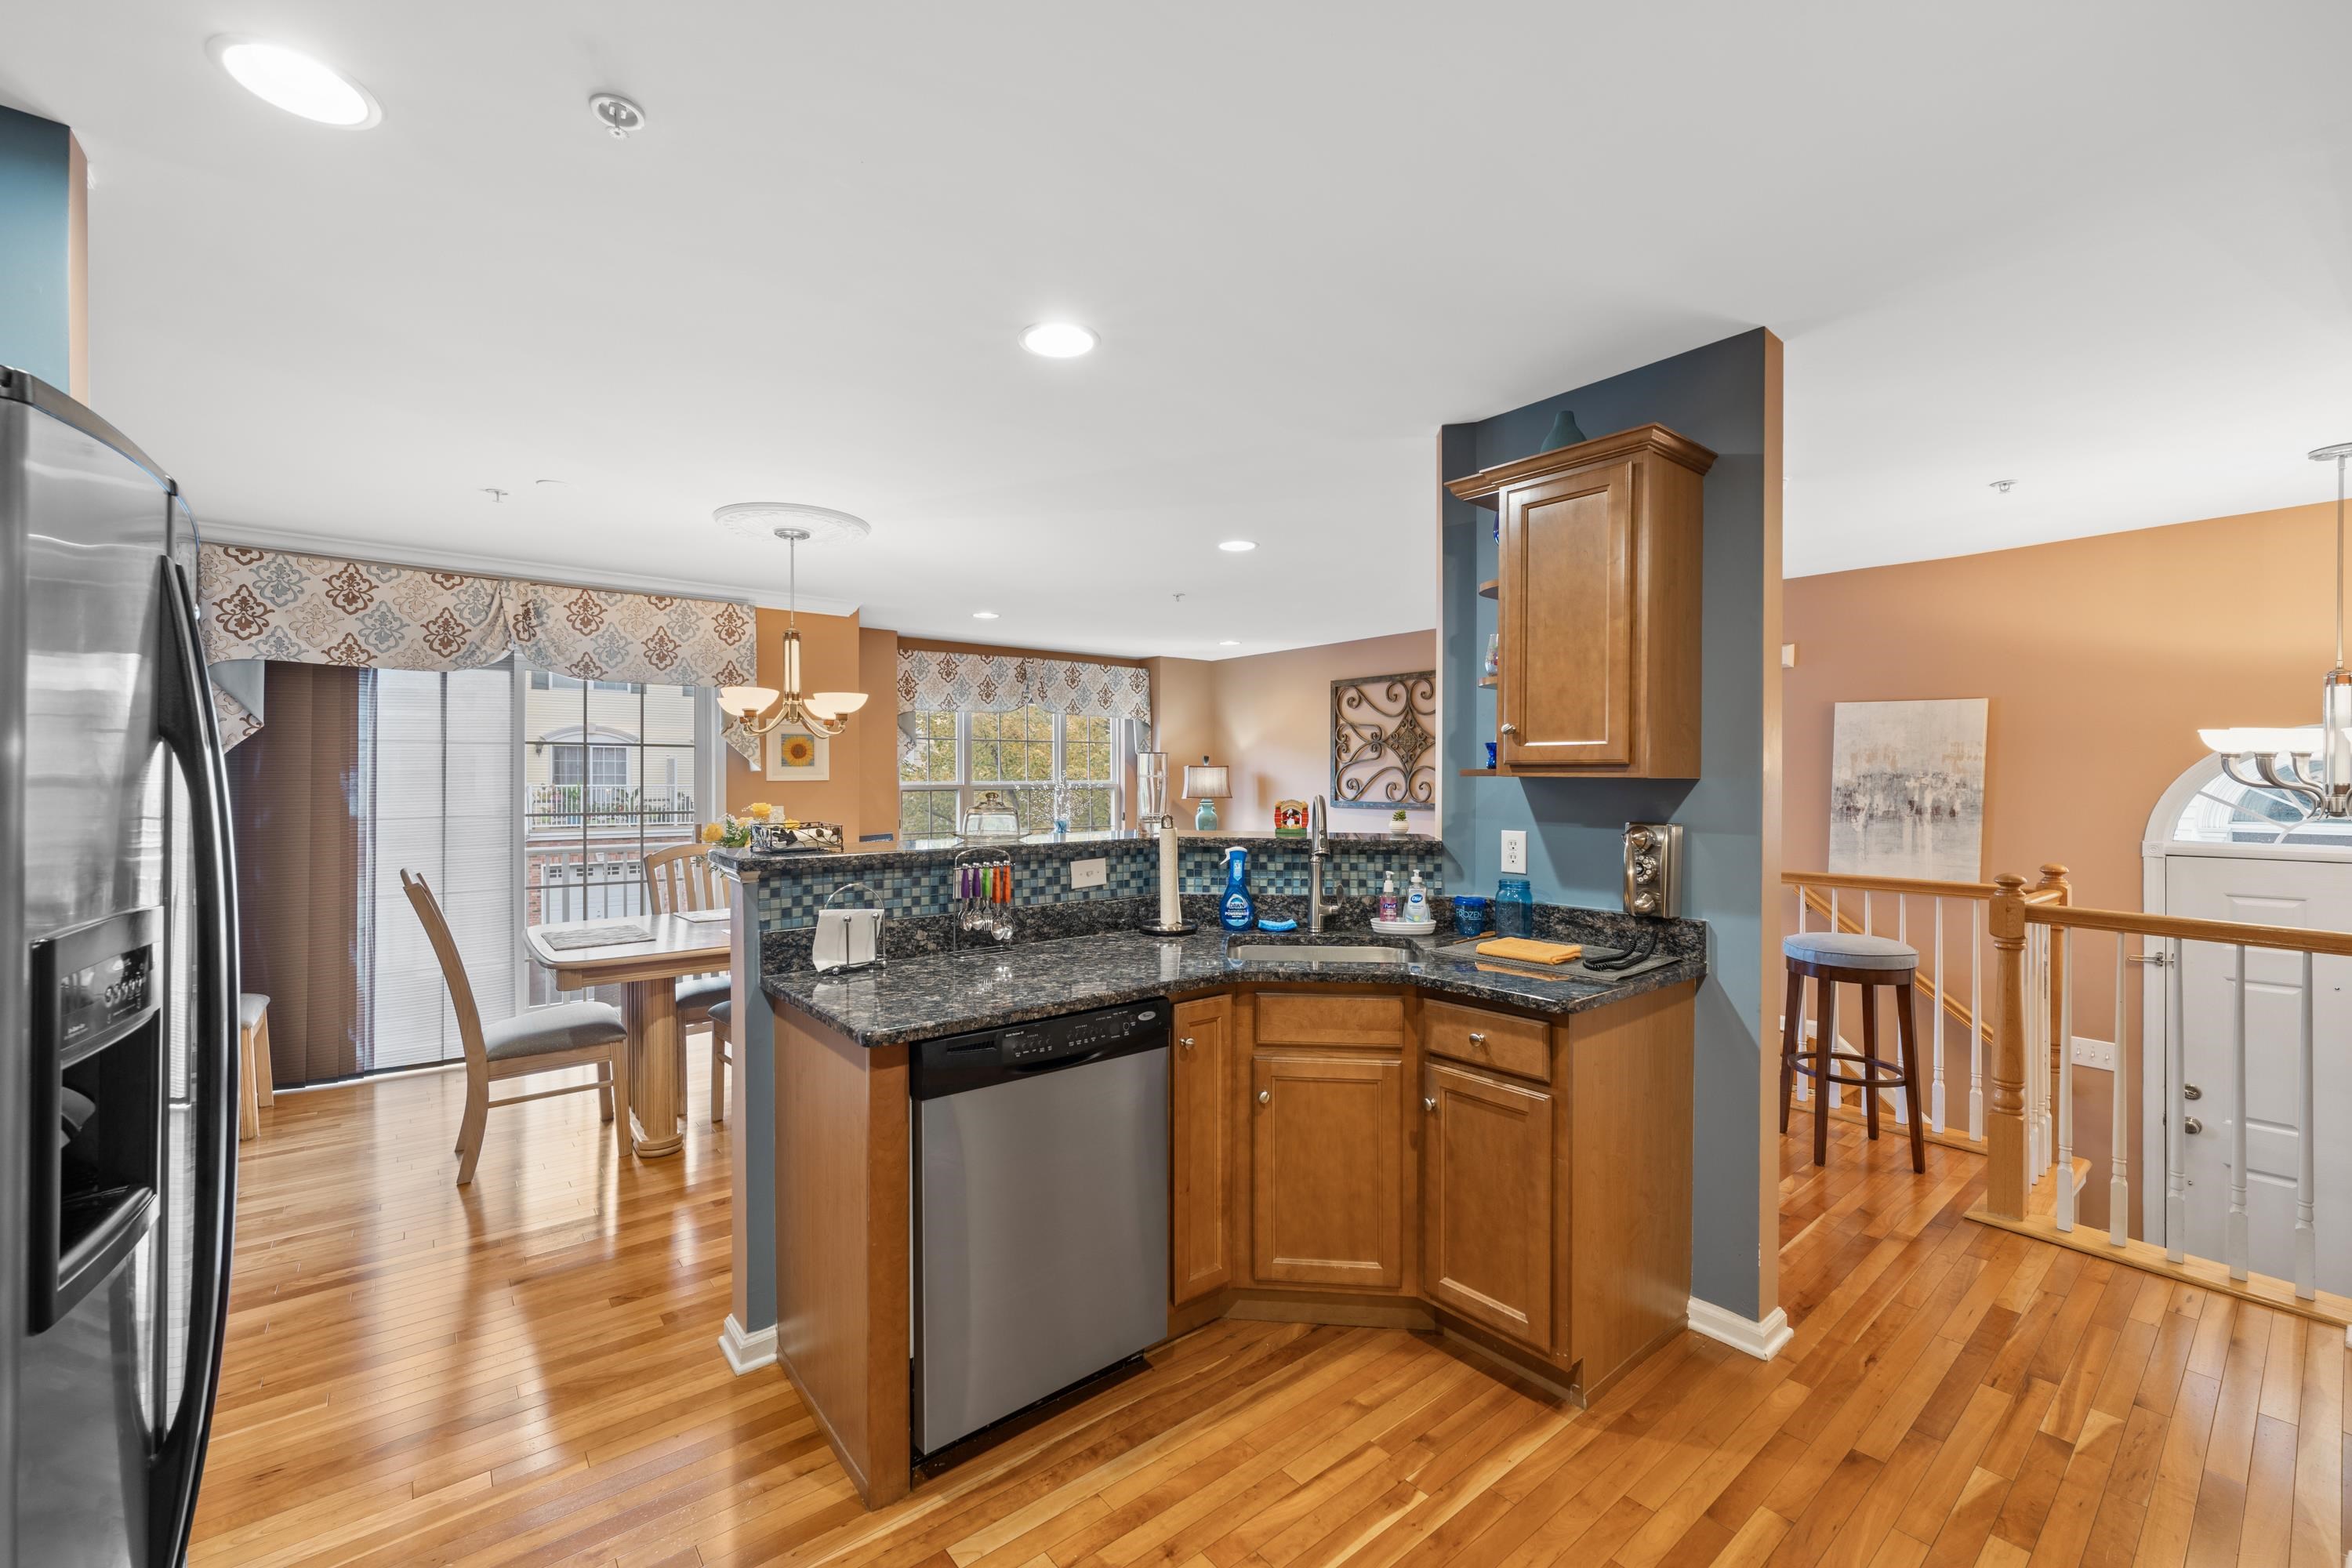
1384	740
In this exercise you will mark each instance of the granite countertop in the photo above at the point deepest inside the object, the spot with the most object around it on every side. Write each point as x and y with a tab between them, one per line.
956	993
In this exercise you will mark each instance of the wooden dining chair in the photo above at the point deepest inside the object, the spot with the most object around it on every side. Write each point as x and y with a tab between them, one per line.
682	878
542	1039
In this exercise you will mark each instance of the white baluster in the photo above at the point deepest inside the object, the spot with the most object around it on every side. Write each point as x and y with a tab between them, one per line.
1936	1094
2176	1179
1976	1018
1833	1094
2037	1058
1804	1082
2119	1129
2065	1212
1866	927
2234	1246
2307	1237
1902	931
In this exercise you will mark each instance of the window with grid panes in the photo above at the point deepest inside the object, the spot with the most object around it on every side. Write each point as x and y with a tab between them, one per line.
949	759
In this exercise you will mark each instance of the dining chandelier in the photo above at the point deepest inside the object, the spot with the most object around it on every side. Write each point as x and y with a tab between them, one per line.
2321	773
819	713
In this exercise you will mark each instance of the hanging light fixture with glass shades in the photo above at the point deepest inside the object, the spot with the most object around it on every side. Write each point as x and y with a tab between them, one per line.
2252	756
821	712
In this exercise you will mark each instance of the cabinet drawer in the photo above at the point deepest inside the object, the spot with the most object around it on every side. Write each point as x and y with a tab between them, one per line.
1306	1018
1497	1040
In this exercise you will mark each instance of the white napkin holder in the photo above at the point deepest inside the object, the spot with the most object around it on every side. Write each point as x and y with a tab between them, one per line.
848	935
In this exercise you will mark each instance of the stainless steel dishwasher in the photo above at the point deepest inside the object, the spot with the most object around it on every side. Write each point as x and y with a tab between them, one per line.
1041	1211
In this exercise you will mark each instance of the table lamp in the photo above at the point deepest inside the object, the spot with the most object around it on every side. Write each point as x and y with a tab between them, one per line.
1209	783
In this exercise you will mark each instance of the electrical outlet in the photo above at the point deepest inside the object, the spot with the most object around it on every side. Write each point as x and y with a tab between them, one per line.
2091	1053
1515	852
1092	873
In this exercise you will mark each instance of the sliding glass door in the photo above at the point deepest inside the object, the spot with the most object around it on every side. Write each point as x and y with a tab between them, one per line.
609	772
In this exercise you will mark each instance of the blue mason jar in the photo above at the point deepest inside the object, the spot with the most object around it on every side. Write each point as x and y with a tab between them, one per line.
1515	907
1469	915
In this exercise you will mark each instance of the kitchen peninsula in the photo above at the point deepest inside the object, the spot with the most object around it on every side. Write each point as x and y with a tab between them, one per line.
1414	1138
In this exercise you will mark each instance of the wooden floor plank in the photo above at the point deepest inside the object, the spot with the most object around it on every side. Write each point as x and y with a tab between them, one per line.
524	1372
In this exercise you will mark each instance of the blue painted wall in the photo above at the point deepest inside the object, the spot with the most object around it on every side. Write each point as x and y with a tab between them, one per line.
1715	396
35	203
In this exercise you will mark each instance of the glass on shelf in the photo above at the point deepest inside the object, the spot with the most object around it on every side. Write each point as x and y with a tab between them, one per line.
1493	667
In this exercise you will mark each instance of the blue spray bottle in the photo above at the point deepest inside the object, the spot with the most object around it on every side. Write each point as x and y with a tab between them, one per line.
1234	911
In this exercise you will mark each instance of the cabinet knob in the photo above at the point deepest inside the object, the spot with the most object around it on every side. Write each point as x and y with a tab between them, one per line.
1510	729
1266	1096
1185	1041
1478	1038
1429	1102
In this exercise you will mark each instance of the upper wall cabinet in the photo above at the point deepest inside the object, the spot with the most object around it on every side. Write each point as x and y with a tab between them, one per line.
1600	595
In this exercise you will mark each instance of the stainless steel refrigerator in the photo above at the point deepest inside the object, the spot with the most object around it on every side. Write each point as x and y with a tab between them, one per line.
117	999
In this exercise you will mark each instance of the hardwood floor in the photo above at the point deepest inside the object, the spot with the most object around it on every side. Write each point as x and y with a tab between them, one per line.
525	1372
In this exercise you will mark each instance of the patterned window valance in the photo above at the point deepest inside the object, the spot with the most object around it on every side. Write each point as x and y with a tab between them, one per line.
315	609
999	683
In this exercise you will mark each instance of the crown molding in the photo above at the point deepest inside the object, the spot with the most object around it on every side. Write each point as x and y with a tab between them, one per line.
508	566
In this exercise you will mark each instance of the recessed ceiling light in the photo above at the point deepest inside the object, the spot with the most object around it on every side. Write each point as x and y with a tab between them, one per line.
983	614
1237	546
1231	642
1058	339
293	82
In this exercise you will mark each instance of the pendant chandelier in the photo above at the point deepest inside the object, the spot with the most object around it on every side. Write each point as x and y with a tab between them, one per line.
2253	756
819	713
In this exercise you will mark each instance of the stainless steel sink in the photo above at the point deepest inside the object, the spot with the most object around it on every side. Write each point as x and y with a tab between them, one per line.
1312	952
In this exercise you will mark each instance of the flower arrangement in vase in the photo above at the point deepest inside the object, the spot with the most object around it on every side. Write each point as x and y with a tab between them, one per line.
733	832
1400	824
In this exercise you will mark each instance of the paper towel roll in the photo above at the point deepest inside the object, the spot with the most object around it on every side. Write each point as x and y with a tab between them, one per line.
1171	912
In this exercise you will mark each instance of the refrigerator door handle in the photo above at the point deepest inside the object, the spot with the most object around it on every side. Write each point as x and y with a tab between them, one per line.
185	717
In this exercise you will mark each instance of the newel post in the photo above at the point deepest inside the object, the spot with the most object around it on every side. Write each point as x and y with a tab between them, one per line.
2005	1117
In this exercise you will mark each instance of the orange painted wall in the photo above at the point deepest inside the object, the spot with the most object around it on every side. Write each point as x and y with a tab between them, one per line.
832	659
2101	657
1273	726
1268	717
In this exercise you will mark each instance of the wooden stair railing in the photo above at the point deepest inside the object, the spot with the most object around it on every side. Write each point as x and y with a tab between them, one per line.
2018	923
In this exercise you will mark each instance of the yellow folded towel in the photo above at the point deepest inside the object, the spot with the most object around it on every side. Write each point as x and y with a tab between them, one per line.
1523	951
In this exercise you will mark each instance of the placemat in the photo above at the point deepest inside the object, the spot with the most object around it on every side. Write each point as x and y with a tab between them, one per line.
595	936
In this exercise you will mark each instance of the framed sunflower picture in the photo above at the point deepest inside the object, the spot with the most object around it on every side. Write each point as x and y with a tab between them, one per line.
795	756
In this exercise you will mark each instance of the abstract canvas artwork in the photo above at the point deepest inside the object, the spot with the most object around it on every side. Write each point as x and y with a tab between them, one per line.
1906	789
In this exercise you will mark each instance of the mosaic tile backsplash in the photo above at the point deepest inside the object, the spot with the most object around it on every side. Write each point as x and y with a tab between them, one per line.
788	890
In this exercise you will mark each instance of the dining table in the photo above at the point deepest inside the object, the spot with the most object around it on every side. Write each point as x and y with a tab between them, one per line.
648	971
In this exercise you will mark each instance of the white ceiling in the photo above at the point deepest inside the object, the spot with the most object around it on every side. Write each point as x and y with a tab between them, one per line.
2099	248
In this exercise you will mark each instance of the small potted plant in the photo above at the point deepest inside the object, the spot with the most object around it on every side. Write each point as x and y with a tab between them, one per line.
1399	825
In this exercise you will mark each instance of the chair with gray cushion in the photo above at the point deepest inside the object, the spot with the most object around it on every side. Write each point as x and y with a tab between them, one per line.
545	1039
1834	958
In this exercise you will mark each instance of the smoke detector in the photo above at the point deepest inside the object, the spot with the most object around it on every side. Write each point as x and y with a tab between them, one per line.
616	115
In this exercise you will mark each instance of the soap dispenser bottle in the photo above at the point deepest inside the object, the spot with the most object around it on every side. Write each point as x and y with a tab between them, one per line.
1388	904
1416	903
1235	911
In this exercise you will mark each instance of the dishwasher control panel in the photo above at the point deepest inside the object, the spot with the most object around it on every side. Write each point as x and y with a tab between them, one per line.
1081	1034
961	1062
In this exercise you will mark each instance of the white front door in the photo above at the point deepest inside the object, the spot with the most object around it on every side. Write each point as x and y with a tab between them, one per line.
2310	894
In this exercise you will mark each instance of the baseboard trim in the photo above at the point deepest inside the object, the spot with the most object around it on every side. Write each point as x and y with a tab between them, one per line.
746	1351
1763	1340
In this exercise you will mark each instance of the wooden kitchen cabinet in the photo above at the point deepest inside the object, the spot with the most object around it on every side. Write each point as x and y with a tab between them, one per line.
1600	599
1200	1163
1486	1200
1327	1188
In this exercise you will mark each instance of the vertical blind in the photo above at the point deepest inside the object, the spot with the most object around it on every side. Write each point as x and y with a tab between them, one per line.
437	798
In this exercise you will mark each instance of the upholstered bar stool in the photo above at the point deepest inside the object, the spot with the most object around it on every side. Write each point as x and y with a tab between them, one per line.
1836	958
